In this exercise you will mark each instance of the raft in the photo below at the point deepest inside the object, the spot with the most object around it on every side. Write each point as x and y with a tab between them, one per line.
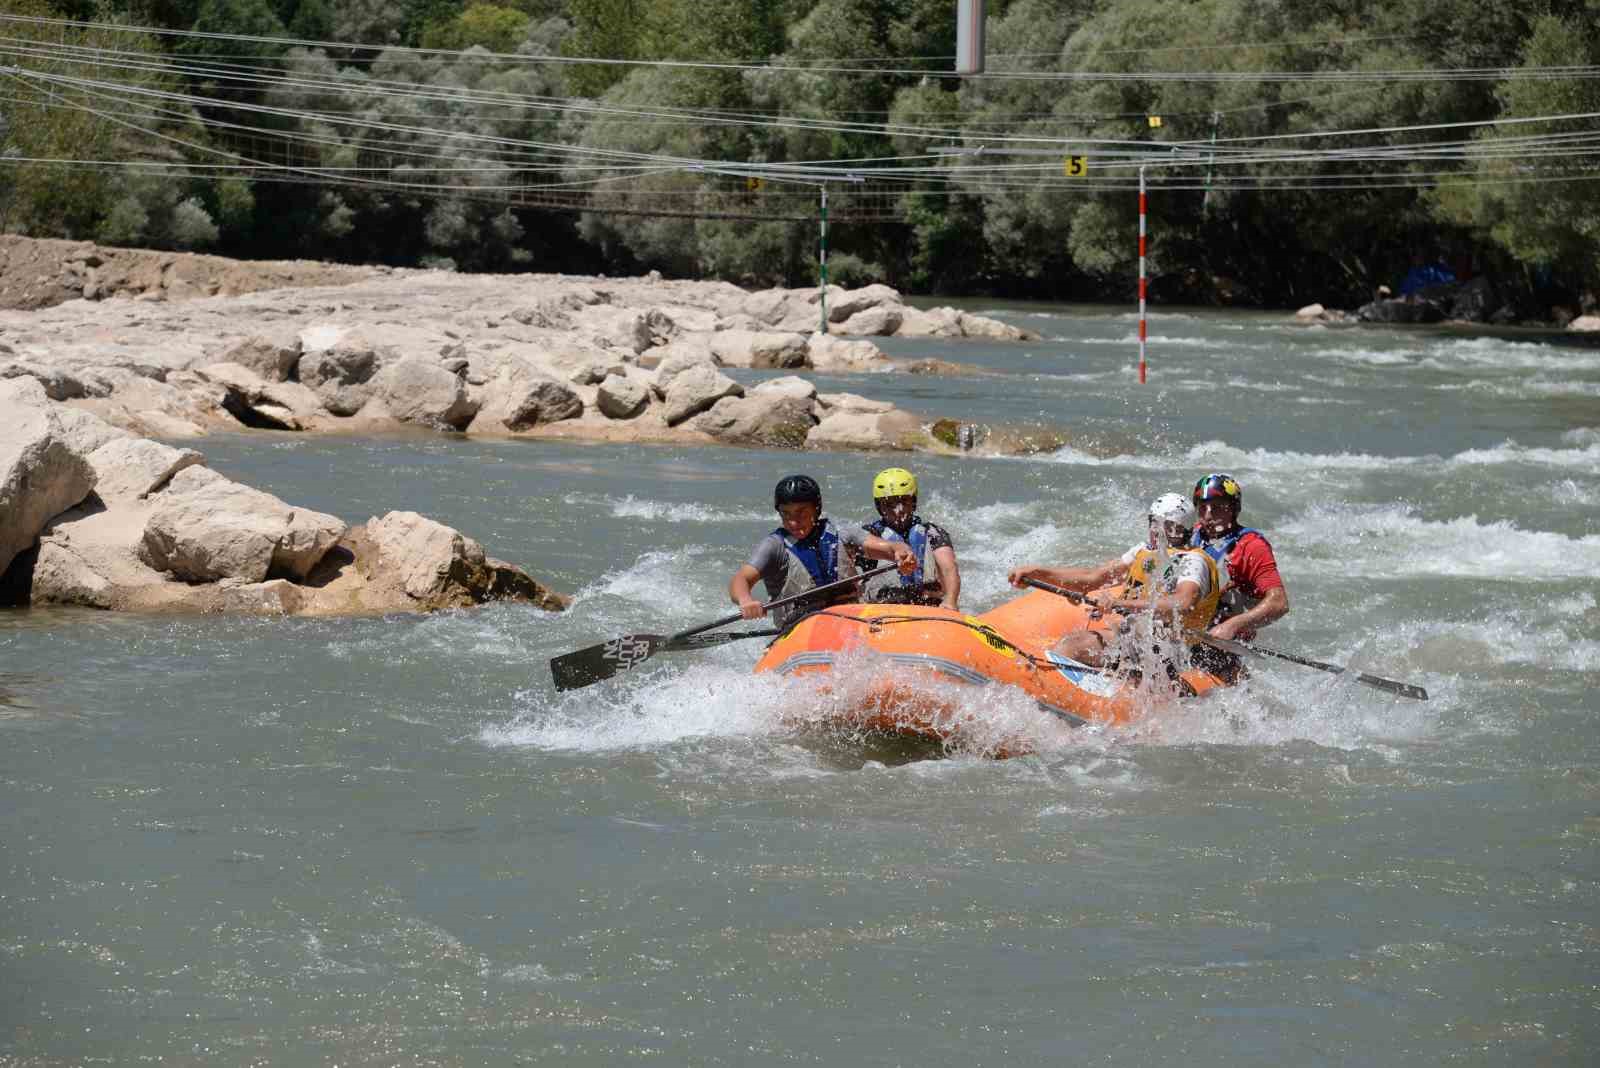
910	672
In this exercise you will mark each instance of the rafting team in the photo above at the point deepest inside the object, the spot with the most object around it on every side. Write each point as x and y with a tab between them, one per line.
1196	566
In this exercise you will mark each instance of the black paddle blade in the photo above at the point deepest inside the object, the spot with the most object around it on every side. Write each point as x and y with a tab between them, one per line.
1404	689
573	671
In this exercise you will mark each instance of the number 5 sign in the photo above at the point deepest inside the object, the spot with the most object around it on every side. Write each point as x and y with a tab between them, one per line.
1075	166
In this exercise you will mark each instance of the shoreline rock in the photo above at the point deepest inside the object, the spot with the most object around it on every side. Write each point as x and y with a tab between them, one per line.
93	516
365	350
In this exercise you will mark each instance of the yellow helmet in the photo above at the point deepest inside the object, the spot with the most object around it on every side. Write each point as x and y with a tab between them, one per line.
894	482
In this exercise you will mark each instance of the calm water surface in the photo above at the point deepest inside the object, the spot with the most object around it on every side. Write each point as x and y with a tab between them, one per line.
389	841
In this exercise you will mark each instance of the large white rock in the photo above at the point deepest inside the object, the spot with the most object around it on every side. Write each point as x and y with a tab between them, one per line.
680	357
426	556
340	374
130	469
694	389
852	302
834	354
41	476
769	348
1585	323
205	527
421	391
788	386
863	430
851	402
772	418
933	322
874	322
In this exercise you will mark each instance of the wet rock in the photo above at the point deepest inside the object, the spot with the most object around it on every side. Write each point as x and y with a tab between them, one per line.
1585	323
439	567
1400	311
41	476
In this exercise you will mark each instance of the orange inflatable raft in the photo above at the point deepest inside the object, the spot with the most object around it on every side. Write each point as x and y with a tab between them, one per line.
913	669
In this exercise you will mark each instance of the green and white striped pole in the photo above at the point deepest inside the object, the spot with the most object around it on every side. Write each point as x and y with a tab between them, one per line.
822	261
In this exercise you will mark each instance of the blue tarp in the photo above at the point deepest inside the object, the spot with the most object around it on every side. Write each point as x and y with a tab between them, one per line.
1429	274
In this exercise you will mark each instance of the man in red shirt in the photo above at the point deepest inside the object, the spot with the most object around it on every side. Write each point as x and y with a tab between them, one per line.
1255	595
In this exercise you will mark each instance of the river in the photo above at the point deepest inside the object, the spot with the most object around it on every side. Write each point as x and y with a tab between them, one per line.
391	842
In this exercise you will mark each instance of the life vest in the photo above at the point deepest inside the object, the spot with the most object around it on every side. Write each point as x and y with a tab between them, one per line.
1143	570
922	586
1233	600
815	560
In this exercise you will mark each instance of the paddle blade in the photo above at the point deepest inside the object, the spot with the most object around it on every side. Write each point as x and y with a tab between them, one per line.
1403	689
573	671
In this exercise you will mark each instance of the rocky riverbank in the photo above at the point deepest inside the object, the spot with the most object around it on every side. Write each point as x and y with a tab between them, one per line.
93	515
159	347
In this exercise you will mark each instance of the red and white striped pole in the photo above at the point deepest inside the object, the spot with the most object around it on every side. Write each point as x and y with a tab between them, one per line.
1141	275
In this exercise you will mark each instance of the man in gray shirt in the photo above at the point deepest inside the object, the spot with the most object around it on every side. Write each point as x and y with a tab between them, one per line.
807	551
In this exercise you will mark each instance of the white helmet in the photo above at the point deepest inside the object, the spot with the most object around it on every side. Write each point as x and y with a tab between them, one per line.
1171	508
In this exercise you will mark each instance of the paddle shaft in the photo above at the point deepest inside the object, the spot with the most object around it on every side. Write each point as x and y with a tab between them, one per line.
585	667
1403	689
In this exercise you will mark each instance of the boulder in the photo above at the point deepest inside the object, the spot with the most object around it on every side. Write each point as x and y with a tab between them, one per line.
1474	301
41	475
1585	323
89	556
772	419
416	390
744	348
59	383
864	430
85	432
788	386
874	322
993	329
255	402
439	567
272	360
832	354
851	402
205	527
620	328
522	396
620	397
852	302
130	468
340	374
275	597
695	389
679	359
1310	311
571	361
1400	311
932	322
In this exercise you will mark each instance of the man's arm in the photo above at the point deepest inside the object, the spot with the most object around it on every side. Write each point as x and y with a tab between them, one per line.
1180	600
1274	606
1073	578
739	592
898	551
949	577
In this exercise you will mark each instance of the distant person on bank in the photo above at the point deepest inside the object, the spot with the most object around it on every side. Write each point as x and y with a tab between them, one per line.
808	550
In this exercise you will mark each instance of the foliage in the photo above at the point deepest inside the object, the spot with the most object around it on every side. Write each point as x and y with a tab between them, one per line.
408	157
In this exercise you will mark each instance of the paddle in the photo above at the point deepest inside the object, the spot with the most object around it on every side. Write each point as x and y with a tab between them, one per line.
597	663
1402	689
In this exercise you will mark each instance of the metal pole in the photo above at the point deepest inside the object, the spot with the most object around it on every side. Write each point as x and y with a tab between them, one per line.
822	261
1141	276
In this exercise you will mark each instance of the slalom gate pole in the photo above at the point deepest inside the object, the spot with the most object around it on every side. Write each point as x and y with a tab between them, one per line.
822	262
1142	331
